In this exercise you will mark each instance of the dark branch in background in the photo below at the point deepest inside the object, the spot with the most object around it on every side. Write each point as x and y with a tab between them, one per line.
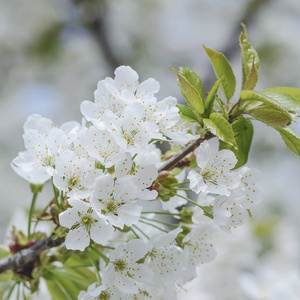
93	18
230	50
27	257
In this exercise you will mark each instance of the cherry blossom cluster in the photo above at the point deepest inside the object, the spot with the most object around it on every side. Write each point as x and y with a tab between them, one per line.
107	170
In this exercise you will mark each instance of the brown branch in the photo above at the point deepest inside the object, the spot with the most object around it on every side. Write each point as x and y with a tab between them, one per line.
27	257
172	162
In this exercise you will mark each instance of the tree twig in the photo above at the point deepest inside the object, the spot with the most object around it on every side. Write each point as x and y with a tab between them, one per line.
172	162
28	256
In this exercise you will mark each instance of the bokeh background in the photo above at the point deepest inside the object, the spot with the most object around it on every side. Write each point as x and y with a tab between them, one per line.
53	53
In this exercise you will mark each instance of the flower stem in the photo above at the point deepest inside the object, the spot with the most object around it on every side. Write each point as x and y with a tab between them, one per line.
56	196
30	213
180	183
103	256
96	268
191	201
161	222
160	213
134	233
141	231
153	226
182	189
36	223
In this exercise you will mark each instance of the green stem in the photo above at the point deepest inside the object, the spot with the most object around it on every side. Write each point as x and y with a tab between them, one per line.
36	223
103	256
55	196
191	201
96	268
11	290
62	199
134	233
161	222
180	183
160	213
141	231
30	213
153	226
182	189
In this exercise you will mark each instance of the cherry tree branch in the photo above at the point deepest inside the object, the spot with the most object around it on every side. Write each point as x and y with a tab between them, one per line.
172	162
27	257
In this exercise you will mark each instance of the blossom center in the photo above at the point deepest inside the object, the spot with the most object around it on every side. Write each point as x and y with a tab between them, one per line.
105	295
120	265
73	181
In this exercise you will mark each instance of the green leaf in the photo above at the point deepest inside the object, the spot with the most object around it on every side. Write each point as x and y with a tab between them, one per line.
252	78
288	101
291	139
265	109
243	133
64	285
250	62
289	90
193	78
79	271
186	113
190	93
270	115
222	68
220	128
209	103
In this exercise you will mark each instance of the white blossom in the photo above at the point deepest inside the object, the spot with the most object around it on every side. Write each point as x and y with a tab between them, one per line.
164	257
84	224
128	130
39	123
25	166
214	174
124	271
145	175
198	247
101	145
45	148
75	175
115	200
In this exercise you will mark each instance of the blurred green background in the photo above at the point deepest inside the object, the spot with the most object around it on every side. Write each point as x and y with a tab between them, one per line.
53	53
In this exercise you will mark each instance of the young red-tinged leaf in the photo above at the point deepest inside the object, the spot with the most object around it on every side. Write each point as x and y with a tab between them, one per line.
221	128
222	68
186	113
209	103
250	62
190	93
243	134
291	138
